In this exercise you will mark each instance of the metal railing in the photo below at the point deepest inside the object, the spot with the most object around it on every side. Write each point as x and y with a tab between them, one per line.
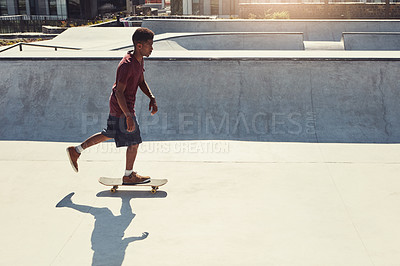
55	47
32	17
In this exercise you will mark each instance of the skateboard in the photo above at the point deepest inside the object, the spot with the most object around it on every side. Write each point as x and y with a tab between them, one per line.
116	182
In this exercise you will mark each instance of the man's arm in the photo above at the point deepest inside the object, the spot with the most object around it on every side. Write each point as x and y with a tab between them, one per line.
119	94
146	90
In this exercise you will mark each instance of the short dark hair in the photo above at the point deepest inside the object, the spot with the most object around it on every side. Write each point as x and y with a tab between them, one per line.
142	35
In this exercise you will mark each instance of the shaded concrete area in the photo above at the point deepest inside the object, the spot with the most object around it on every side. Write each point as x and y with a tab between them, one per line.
107	241
372	41
239	203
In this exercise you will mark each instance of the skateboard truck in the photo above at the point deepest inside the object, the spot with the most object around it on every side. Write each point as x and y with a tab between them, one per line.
153	189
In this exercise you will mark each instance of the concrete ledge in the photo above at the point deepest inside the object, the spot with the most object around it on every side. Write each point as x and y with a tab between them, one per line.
389	41
112	23
205	55
53	30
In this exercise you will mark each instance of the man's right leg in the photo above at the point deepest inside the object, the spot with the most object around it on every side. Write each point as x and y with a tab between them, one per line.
75	152
94	140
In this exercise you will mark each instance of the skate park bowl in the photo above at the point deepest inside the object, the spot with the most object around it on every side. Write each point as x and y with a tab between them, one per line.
314	30
232	41
95	39
212	84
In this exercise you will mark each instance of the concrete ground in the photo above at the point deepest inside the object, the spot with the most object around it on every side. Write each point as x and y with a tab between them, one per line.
226	203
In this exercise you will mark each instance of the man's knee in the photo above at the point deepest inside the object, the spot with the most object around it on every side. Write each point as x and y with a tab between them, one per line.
133	147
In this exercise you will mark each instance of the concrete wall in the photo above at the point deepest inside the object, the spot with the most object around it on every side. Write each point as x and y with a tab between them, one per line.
50	100
237	99
373	41
314	30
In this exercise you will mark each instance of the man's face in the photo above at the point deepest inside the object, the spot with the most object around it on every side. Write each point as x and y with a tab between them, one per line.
146	48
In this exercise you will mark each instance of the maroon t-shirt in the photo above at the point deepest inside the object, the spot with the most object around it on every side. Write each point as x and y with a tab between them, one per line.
129	72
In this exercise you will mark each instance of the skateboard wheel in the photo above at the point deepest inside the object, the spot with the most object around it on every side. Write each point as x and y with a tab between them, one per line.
114	189
153	191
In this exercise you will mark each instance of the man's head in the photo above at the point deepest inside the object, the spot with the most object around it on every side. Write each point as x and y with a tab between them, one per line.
143	41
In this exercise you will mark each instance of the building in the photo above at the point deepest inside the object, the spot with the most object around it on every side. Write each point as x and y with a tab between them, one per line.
61	9
34	7
222	8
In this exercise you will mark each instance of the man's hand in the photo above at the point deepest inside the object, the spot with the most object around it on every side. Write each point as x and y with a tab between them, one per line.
130	124
153	106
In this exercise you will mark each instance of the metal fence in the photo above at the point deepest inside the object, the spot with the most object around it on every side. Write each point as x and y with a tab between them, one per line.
24	23
12	26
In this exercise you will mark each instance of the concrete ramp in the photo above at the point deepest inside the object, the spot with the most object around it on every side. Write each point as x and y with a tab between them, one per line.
372	41
94	38
233	41
256	99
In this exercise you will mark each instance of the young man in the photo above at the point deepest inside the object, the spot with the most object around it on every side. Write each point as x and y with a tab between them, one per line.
122	125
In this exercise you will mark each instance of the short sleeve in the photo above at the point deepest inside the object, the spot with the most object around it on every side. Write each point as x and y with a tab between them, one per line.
123	73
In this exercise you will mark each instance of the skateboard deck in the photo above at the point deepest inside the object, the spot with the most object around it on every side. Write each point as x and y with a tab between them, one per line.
116	182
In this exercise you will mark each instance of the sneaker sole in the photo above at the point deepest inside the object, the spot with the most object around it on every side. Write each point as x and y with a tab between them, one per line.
70	161
137	183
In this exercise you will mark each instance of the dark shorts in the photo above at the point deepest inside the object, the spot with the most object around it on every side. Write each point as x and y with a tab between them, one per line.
116	129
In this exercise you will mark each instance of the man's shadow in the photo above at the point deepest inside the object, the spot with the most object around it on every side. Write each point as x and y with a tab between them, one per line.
108	241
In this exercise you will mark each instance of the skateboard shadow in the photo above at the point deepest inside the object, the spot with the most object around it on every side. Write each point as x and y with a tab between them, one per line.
108	241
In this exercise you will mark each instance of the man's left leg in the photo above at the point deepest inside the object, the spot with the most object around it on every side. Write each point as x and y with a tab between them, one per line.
131	176
131	153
